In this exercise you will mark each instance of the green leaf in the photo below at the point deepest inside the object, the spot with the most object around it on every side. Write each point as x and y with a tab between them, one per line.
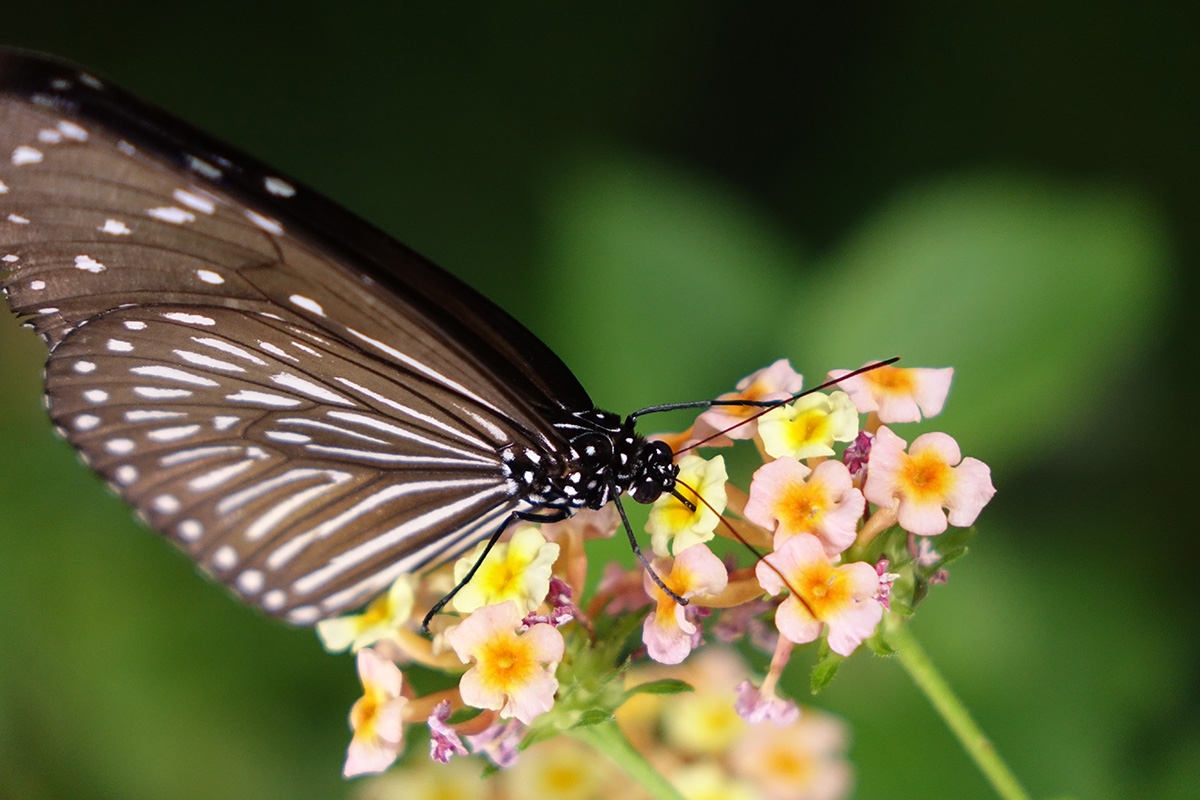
825	668
592	717
664	686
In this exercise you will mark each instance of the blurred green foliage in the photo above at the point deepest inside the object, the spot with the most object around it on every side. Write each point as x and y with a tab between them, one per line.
673	196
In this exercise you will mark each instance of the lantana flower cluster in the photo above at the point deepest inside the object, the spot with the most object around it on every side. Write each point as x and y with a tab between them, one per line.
844	522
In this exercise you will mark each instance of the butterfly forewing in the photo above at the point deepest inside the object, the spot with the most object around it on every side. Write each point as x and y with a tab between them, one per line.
305	420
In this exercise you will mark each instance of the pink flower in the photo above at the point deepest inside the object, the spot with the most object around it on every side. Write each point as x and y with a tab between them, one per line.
668	632
514	674
841	598
377	717
805	760
925	480
755	707
444	743
826	505
499	742
896	394
776	382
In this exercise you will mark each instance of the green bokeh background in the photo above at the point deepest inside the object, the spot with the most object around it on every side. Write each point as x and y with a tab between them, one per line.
672	195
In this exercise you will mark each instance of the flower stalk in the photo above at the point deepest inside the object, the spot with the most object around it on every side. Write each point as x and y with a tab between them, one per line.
605	737
916	663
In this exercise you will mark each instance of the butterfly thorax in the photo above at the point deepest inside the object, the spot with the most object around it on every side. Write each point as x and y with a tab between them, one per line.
604	459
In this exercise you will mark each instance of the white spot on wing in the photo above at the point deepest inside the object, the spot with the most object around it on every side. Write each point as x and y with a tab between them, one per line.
172	374
172	214
3	188
120	447
49	136
288	437
134	325
17	219
224	423
26	155
88	80
159	393
201	360
115	227
37	286
274	600
225	558
251	581
190	530
203	167
277	351
71	130
304	615
231	349
95	396
278	186
86	422
174	434
262	398
84	367
125	475
194	201
307	304
309	388
208	276
191	319
126	148
119	346
166	504
89	264
266	223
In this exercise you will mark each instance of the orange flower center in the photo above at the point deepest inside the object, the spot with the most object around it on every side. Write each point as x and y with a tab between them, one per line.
506	662
824	589
927	476
800	508
789	765
892	379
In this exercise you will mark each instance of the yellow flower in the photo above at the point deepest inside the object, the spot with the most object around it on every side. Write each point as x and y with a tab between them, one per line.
517	570
673	526
385	615
809	426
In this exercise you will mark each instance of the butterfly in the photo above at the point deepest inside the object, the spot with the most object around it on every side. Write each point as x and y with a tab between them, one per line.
305	406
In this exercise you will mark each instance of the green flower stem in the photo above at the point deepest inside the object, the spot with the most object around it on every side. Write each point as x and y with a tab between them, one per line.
955	714
610	740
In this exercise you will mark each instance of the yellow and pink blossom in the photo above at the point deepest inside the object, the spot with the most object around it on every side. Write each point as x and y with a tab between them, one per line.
377	717
930	477
809	427
386	615
898	394
788	498
674	527
517	570
823	595
776	382
512	673
668	632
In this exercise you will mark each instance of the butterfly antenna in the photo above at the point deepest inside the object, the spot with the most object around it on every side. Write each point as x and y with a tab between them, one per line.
758	555
766	405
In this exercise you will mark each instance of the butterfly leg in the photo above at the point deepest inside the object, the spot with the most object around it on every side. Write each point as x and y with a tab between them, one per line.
495	537
637	551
